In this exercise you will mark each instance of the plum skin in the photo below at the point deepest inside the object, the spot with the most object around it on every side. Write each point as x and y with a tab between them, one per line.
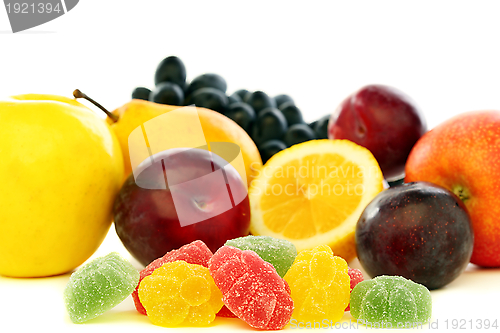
146	220
382	119
418	230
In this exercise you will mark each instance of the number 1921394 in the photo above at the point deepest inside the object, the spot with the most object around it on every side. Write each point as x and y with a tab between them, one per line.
462	324
40	8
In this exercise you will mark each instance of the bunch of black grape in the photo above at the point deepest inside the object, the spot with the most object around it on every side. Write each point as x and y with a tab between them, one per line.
274	123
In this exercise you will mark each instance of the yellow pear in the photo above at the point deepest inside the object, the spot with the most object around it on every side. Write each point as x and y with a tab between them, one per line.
216	128
61	169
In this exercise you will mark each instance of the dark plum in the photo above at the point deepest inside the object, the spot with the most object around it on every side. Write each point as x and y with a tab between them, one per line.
382	119
167	93
282	99
292	113
209	98
171	69
242	114
259	101
208	80
269	148
270	124
419	230
298	133
321	127
141	93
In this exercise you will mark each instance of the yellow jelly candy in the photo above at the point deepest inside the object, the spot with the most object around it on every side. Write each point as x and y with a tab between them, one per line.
180	293
320	285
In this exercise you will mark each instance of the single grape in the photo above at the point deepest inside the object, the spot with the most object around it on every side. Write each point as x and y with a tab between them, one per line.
321	127
242	114
259	100
167	93
208	80
171	69
241	93
298	133
270	124
282	99
209	98
141	93
313	125
269	148
234	98
292	113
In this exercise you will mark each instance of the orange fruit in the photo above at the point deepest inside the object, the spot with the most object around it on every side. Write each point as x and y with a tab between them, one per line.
216	128
313	193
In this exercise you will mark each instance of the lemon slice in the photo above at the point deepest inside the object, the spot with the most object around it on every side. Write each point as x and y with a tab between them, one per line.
313	193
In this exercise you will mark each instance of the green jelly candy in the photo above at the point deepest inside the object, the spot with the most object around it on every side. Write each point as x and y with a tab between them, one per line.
391	302
99	286
278	252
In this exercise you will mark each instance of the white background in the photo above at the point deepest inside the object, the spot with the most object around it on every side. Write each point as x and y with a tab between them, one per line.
445	55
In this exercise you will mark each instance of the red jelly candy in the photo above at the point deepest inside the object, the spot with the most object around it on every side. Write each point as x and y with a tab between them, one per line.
356	277
225	312
193	253
251	288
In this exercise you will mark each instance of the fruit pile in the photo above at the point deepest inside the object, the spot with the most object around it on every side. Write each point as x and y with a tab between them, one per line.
190	286
274	123
186	212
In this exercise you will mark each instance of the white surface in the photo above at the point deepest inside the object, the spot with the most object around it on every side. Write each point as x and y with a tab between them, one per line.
31	304
443	54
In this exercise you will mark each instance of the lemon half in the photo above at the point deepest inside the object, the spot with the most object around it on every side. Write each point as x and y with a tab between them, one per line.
313	193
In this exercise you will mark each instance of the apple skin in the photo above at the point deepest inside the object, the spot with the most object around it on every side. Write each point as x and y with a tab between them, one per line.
419	230
463	155
382	119
147	221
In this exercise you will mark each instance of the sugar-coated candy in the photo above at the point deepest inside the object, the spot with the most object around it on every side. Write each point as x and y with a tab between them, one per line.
251	288
225	312
320	285
390	301
193	253
99	286
180	293
356	277
278	252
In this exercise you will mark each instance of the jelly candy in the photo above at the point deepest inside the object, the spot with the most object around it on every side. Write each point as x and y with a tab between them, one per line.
390	301
356	277
193	253
99	286
225	312
251	288
180	293
278	252
320	285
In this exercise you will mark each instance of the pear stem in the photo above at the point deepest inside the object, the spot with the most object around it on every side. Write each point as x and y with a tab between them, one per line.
78	94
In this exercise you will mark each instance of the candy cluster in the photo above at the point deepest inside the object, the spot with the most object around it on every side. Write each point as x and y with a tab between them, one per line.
260	280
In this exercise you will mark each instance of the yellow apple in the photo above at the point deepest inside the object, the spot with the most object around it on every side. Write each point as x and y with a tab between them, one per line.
61	168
